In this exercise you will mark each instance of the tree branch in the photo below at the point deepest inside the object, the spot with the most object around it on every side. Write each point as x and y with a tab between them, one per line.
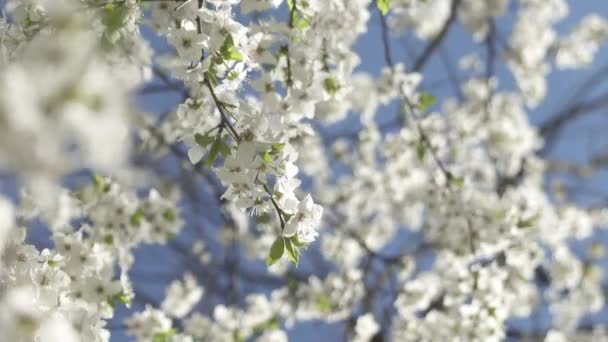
434	44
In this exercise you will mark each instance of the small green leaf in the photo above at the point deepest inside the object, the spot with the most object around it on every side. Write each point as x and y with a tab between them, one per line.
383	6
237	336
114	16
169	215
233	75
98	182
267	157
123	298
286	216
211	157
164	336
292	283
331	85
323	303
426	101
276	251
228	104
420	150
195	105
108	239
301	23
120	297
264	218
218	147
457	181
527	223
277	148
228	51
203	139
271	324
296	242
292	252
210	75
137	217
501	215
224	149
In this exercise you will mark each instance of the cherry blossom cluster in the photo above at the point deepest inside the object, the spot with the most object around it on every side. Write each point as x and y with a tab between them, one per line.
215	54
71	290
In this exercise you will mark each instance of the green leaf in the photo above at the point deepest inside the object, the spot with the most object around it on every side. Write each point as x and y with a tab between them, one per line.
233	75
323	303
123	298
264	218
528	222
331	85
292	252
114	16
218	147
169	215
457	181
210	75
276	251
98	182
108	239
301	23
120	297
212	156
267	157
137	217
420	150
271	324
228	104
237	336
195	105
296	242
383	6
426	101
164	336
292	283
228	51
203	139
277	148
224	149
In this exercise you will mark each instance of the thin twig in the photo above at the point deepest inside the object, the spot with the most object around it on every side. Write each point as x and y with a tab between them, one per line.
434	44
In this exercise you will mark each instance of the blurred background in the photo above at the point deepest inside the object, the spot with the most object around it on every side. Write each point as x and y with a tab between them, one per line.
577	153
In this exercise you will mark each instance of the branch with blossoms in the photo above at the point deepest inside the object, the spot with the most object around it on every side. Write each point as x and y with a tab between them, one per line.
449	219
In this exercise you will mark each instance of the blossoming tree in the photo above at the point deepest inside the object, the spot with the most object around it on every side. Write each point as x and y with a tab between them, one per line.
435	226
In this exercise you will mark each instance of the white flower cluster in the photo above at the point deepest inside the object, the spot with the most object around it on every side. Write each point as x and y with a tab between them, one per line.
73	288
215	54
578	49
